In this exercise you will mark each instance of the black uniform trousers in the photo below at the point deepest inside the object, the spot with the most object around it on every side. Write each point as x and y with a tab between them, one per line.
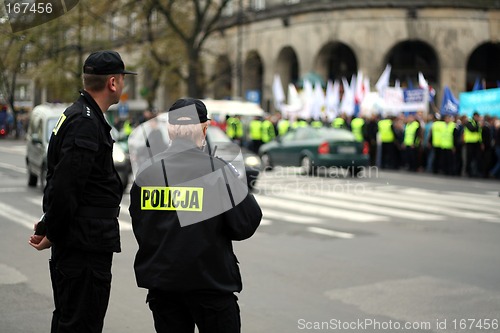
81	283
389	158
473	159
180	312
447	160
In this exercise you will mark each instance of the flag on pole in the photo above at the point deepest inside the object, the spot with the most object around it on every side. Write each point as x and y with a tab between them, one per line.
477	85
319	102
278	93
450	104
291	109
422	82
332	99
383	80
347	103
366	85
360	88
307	99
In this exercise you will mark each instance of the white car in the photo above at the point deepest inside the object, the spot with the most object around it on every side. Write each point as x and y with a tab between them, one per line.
43	119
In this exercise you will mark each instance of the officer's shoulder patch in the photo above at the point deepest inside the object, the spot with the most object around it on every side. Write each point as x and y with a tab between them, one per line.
87	112
231	167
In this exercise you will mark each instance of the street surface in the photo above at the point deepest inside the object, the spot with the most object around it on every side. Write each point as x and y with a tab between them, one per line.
386	252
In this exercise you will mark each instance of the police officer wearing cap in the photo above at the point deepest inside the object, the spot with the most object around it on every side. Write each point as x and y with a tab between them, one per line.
81	200
187	207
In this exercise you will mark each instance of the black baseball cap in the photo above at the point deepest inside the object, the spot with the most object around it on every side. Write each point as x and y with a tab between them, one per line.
192	111
105	63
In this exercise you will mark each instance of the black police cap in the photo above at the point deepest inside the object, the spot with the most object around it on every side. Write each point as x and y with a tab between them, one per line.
180	114
105	63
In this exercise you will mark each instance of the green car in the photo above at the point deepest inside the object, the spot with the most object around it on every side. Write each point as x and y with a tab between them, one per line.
315	148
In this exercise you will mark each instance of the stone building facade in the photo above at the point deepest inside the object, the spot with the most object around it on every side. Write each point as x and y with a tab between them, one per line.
451	42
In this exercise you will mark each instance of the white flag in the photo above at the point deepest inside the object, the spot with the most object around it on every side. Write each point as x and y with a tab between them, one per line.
291	110
307	99
319	102
347	103
332	99
422	82
278	93
360	88
383	81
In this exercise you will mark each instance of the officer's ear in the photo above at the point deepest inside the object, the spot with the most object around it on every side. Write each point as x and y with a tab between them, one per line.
114	81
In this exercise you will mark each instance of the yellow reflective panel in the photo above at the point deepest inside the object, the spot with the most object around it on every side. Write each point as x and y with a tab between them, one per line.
172	198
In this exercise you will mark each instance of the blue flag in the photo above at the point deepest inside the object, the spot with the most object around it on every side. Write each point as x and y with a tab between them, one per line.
477	85
450	104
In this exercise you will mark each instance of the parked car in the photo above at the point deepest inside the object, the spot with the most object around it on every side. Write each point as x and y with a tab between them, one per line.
228	151
311	148
43	119
218	143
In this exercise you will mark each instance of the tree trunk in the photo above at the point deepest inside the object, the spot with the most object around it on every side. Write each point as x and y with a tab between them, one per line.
193	82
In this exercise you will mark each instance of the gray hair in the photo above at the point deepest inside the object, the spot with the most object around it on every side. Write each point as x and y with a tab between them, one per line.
190	132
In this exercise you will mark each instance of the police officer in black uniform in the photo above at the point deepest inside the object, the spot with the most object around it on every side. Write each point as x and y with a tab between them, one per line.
187	207
81	200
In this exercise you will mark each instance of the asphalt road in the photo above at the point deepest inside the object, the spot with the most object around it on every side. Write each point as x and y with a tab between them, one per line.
386	252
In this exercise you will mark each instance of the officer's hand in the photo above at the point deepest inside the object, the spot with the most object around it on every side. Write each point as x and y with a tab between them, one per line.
42	245
36	239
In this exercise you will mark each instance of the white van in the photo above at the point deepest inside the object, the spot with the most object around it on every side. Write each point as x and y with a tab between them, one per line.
43	119
219	109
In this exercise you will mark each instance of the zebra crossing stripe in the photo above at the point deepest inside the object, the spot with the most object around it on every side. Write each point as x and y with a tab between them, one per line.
443	204
299	219
332	233
14	215
12	167
414	208
356	202
308	209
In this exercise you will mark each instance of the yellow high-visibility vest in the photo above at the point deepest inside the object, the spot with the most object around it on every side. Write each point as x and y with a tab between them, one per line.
447	136
410	132
234	128
283	126
339	123
385	130
438	127
268	132
472	137
357	128
255	129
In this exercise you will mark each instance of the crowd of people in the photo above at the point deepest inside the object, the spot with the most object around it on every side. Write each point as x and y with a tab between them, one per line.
434	143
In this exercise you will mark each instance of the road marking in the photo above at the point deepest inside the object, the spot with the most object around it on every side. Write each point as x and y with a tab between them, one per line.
355	202
11	213
300	219
265	222
413	210
18	150
13	189
36	201
309	209
12	167
332	233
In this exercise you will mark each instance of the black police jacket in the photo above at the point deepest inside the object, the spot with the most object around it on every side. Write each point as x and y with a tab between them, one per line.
81	175
186	209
